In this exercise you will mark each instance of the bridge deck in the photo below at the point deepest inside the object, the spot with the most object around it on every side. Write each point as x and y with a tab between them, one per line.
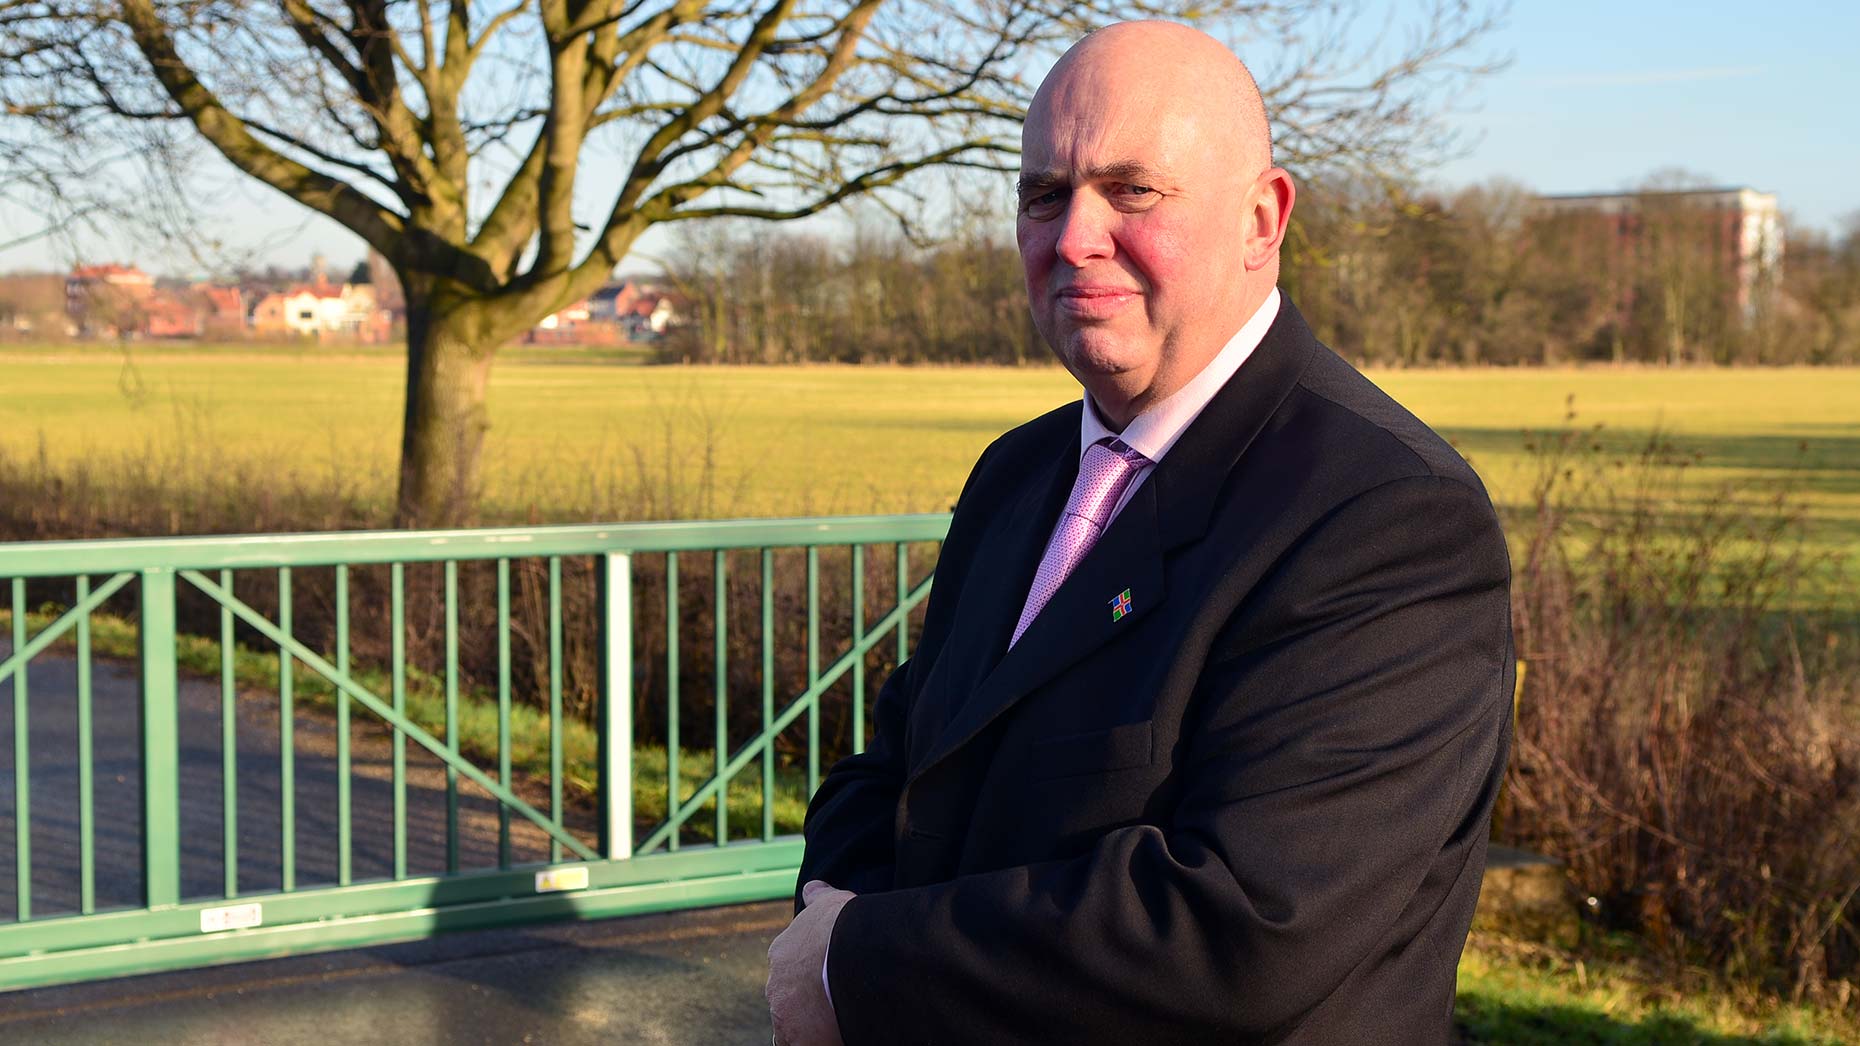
669	980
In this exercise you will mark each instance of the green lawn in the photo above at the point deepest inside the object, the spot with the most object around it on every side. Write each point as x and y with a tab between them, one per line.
572	439
1520	993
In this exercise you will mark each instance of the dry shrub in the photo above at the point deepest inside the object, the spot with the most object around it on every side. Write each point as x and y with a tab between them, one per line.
1686	733
144	496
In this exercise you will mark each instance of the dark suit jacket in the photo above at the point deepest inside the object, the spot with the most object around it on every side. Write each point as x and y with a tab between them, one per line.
1255	808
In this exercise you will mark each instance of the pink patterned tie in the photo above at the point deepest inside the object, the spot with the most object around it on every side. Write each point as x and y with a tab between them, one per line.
1105	473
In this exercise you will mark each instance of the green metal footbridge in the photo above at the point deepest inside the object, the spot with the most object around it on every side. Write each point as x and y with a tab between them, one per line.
225	783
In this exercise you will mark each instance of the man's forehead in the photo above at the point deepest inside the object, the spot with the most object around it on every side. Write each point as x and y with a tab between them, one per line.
1086	138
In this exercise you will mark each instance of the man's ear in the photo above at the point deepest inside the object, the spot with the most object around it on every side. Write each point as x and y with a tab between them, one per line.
1267	217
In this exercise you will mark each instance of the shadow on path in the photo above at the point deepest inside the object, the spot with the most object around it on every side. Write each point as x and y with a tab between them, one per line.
684	979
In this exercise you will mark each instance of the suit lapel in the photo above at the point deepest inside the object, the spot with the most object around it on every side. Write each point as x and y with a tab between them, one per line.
1171	508
1076	621
999	576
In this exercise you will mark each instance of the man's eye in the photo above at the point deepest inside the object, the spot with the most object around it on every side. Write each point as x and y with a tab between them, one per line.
1044	205
1138	190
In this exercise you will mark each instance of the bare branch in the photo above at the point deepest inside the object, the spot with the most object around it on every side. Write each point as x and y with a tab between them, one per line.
865	182
380	227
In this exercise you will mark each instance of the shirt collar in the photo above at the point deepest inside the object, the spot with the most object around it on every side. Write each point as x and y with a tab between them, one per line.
1154	431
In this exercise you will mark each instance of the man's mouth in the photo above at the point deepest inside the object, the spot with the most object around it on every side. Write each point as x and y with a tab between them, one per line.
1094	301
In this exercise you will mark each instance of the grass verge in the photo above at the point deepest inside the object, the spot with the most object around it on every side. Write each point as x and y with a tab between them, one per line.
1522	993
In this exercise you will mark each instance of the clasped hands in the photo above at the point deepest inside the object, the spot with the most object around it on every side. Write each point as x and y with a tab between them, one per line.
797	992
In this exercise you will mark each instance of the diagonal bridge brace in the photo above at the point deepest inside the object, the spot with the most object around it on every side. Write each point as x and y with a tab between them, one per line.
801	702
50	633
342	681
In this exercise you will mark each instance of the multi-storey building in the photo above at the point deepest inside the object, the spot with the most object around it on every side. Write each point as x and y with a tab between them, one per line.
1731	237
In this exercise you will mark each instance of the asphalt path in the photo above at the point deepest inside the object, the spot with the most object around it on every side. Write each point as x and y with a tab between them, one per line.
683	979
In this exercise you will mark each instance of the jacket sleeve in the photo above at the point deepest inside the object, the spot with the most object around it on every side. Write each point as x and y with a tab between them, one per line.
1348	722
849	821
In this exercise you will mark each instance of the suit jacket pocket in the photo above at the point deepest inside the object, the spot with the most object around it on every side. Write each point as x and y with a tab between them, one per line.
1095	752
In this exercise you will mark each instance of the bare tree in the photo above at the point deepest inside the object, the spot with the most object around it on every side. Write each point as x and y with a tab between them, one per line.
505	156
1681	266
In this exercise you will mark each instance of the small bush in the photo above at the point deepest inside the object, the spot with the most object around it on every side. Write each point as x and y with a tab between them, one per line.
1686	731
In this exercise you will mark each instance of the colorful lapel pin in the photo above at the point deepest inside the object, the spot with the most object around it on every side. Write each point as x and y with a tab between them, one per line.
1120	605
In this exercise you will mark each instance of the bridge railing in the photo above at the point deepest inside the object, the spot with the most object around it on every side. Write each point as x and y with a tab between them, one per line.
182	795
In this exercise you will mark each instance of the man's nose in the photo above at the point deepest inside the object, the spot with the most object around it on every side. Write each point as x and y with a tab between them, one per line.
1085	232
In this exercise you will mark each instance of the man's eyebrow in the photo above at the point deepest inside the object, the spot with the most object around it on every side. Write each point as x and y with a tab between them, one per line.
1135	171
1037	181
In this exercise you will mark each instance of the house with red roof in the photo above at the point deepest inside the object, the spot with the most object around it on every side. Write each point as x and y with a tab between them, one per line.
107	300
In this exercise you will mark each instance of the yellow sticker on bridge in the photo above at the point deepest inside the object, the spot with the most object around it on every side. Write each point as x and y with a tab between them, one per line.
557	879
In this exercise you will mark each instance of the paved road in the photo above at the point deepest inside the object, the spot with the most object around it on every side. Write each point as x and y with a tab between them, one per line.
687	979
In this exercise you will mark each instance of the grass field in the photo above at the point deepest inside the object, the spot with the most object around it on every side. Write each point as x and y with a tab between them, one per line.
571	439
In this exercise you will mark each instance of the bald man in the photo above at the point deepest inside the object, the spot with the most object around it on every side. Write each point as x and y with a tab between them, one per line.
1203	731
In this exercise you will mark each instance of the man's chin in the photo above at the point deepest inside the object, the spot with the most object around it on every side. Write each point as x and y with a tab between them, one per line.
1100	354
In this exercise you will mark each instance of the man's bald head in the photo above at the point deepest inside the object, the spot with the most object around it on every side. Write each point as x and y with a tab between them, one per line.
1150	212
1168	60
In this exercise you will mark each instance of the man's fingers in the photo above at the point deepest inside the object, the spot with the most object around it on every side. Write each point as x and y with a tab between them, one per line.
813	889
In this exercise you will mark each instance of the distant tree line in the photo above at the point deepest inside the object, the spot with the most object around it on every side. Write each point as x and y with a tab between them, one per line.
1386	275
763	294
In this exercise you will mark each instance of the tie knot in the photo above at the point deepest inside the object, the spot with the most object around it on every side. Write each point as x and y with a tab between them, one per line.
1105	473
1124	450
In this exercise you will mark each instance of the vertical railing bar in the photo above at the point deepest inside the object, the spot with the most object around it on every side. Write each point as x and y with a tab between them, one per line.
503	708
721	741
616	705
858	635
161	763
87	802
673	690
229	746
397	601
904	585
22	776
287	741
813	668
555	700
452	715
344	825
768	693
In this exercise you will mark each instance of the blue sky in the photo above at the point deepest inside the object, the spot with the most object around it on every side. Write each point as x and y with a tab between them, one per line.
1597	97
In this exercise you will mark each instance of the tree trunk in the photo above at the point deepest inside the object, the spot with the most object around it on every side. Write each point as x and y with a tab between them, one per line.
442	435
